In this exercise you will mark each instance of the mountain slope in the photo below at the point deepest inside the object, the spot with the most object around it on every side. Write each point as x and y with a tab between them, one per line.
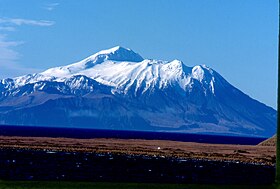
118	89
269	142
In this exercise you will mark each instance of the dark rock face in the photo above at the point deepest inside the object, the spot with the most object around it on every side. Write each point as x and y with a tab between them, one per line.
157	111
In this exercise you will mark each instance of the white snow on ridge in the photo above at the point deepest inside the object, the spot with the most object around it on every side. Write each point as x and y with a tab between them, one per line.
111	50
123	69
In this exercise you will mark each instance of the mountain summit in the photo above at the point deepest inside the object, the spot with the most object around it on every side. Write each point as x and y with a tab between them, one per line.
119	53
118	89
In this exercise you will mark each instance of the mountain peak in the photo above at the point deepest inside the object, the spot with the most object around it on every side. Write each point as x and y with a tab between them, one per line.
113	50
117	89
118	53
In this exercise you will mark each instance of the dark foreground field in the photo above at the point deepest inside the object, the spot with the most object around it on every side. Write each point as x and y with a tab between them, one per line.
99	185
133	161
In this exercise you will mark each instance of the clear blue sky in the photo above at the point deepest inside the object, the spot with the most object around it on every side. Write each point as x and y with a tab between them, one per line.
237	38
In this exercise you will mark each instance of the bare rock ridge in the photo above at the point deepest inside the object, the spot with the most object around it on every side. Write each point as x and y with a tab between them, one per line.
118	89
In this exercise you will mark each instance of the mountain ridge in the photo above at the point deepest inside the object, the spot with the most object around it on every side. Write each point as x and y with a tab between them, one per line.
118	89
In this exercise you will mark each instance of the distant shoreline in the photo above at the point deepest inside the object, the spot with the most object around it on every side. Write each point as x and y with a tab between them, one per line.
89	133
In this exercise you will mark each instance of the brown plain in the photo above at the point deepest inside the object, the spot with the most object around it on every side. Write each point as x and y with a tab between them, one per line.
161	148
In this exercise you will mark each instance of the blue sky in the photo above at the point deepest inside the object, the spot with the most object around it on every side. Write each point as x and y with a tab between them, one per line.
237	38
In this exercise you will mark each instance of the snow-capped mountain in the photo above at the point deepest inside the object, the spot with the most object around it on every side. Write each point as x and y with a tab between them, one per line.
118	89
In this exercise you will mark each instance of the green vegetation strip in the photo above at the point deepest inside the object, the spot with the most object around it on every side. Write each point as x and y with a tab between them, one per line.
97	185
